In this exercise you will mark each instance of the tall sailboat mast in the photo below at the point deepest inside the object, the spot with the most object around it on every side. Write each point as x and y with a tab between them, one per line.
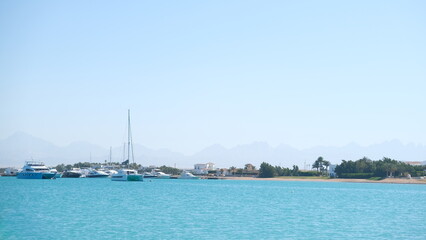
124	151
127	174
128	138
110	153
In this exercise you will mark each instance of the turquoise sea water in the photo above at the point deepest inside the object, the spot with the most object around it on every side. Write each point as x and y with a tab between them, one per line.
209	209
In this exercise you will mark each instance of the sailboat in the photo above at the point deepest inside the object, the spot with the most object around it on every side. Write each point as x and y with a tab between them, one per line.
127	174
109	169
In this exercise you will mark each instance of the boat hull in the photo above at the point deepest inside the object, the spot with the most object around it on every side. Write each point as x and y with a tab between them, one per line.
149	176
132	178
35	175
189	178
163	177
71	175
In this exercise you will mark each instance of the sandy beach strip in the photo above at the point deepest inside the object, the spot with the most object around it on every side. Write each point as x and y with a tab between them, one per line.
387	180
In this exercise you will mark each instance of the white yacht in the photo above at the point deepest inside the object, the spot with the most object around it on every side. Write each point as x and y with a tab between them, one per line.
126	174
149	175
160	175
187	175
97	174
10	172
35	170
110	172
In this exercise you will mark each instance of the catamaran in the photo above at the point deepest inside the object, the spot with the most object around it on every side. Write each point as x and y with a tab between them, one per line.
127	174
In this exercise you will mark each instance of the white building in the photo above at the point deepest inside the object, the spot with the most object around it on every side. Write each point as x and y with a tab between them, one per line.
226	172
203	168
331	170
415	163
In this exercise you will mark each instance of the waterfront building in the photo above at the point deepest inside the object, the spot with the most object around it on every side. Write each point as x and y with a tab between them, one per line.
203	168
414	163
331	170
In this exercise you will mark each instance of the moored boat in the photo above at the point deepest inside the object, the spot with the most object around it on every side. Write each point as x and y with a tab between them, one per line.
10	172
110	172
35	170
160	175
73	173
97	174
57	174
127	175
187	175
148	175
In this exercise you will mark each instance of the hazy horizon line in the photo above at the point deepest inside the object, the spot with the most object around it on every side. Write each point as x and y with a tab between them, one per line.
218	144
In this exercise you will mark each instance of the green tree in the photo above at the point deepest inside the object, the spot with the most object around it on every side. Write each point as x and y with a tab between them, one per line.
232	170
321	165
385	167
318	163
325	165
60	167
170	170
295	171
134	166
266	170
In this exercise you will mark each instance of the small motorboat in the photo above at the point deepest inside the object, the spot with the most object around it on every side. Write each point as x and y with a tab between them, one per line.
187	175
97	174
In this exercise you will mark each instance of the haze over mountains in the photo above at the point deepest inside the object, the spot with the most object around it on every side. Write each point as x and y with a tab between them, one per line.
20	147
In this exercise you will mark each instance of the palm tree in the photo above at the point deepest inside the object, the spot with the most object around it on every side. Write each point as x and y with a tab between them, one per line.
232	170
318	164
387	168
326	164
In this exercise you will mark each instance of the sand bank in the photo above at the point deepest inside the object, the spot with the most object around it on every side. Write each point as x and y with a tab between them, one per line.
387	180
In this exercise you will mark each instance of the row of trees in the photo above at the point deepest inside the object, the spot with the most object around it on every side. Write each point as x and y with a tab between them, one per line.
267	171
362	168
249	169
386	167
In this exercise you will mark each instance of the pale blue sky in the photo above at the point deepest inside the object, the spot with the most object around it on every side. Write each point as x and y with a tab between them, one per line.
196	73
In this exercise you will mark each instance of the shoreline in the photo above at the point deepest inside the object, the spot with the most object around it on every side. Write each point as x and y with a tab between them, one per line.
386	180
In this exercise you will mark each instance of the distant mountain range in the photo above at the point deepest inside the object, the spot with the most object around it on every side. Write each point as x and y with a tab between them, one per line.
20	147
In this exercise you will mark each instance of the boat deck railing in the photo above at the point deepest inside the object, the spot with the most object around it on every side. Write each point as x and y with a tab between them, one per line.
34	163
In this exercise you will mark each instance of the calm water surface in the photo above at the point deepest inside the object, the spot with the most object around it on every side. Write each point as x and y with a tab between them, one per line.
207	209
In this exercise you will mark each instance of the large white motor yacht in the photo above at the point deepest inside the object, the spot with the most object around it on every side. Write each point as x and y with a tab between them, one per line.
35	170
